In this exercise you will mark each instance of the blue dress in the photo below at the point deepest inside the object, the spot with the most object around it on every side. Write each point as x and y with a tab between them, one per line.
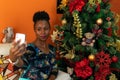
38	65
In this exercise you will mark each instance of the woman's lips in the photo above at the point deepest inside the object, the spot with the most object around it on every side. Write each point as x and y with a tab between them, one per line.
43	37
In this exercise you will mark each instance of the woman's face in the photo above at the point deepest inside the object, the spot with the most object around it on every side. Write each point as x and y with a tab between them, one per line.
42	30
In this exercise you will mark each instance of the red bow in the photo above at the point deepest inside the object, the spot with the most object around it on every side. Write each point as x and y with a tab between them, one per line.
76	5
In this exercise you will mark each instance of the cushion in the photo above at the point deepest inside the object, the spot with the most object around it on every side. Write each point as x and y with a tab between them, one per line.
7	71
4	48
63	76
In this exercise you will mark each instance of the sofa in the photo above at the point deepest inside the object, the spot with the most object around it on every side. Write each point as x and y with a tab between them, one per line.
6	68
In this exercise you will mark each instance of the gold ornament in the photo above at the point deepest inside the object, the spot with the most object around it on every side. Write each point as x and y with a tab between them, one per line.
91	57
109	23
117	44
99	1
113	77
110	44
64	21
115	32
63	4
92	2
77	24
99	21
117	18
70	54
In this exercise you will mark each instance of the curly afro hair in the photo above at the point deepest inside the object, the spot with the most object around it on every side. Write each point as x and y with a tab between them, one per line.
40	15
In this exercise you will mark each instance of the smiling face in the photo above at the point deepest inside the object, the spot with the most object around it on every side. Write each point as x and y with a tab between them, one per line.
42	30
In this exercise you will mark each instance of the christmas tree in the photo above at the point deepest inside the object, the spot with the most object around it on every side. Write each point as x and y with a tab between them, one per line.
88	47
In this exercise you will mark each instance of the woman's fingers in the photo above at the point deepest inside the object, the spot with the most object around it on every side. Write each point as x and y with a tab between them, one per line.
17	50
21	50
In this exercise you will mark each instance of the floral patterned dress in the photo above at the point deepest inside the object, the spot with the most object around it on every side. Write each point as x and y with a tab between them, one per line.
38	65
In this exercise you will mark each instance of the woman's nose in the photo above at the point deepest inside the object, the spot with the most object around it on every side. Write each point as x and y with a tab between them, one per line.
43	31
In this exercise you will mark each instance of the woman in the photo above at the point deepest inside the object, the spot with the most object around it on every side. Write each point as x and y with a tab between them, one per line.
38	59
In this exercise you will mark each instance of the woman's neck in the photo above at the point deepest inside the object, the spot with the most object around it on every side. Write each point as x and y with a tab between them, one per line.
39	43
42	45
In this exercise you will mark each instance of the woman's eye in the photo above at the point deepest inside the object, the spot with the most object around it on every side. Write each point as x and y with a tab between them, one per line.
38	29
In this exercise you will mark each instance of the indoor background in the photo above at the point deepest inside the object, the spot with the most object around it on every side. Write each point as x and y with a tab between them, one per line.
18	14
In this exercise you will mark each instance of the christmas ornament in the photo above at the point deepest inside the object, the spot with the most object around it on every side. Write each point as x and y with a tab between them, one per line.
63	4
70	54
110	44
114	59
54	35
102	72
82	69
91	57
88	40
117	45
112	77
115	32
102	59
117	18
98	7
109	31
97	31
64	21
109	23
77	24
93	2
99	21
76	5
108	18
99	1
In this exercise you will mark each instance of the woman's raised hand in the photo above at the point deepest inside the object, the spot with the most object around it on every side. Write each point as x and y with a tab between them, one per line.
17	50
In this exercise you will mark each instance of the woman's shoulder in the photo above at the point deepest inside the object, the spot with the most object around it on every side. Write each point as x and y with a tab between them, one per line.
51	47
31	48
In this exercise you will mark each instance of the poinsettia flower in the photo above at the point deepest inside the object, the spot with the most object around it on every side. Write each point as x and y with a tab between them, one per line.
82	69
102	73
76	5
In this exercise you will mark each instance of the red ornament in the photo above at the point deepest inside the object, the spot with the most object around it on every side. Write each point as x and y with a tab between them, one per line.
108	18
102	59
98	8
109	31
114	59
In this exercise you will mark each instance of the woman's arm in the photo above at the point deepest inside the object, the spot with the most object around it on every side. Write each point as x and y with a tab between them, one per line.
16	52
